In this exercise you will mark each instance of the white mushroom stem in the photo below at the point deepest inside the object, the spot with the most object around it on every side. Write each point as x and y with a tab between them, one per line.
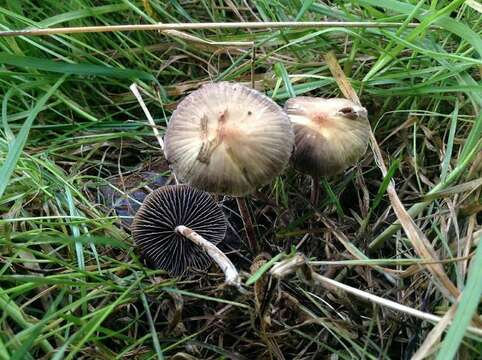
230	272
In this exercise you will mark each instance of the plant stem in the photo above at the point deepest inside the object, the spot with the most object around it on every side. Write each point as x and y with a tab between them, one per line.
229	270
151	122
248	224
144	108
298	263
384	302
198	26
315	190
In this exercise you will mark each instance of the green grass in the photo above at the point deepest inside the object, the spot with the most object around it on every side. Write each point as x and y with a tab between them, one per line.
74	140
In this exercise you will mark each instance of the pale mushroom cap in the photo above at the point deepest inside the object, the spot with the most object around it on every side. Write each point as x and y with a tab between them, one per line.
227	138
330	134
162	211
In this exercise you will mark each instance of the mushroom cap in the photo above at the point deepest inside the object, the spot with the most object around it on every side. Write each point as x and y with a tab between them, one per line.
154	227
227	138
330	134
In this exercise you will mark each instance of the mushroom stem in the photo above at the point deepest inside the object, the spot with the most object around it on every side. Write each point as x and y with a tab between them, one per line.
230	272
315	190
248	224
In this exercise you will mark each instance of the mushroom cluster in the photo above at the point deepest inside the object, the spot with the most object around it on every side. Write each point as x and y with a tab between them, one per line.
226	138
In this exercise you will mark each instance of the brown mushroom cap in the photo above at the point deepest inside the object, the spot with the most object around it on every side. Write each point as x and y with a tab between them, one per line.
162	211
330	134
227	138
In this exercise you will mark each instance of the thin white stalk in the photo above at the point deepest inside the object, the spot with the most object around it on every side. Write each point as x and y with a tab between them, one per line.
288	266
231	274
198	26
150	119
299	262
196	39
384	302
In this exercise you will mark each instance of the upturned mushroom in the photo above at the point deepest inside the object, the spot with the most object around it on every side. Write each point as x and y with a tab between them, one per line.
228	139
330	135
177	229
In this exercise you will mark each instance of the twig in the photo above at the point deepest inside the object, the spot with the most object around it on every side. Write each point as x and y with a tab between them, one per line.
211	26
229	270
288	266
419	207
340	77
399	262
434	335
315	191
417	238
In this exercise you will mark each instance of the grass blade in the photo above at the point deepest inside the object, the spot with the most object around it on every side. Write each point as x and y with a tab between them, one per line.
280	70
76	69
152	327
466	308
264	268
18	144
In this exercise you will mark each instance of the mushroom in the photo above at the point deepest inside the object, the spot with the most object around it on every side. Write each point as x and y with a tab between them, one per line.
227	138
177	229
330	135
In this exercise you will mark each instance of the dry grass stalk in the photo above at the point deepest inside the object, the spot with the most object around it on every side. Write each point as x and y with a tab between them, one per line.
298	263
200	26
192	38
150	119
433	337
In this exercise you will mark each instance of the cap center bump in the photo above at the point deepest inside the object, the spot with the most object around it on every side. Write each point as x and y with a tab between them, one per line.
209	145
